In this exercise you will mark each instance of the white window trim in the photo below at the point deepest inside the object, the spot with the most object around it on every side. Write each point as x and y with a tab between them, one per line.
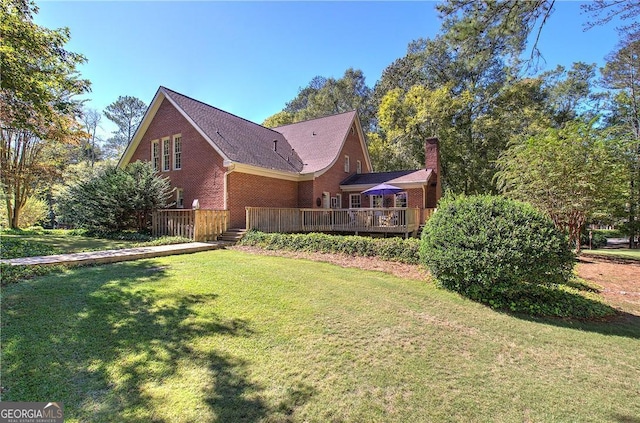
179	194
351	197
347	165
175	162
166	152
395	198
358	166
155	143
372	203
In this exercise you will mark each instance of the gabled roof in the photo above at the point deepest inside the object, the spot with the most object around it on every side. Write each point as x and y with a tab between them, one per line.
240	140
319	141
400	178
234	138
300	148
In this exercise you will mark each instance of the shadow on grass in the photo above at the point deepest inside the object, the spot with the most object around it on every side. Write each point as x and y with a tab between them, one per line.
558	307
104	342
626	419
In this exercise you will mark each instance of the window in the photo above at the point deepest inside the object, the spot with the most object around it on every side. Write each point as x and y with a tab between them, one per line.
166	154
354	201
401	199
358	166
179	198
334	202
177	152
376	201
155	155
339	201
346	164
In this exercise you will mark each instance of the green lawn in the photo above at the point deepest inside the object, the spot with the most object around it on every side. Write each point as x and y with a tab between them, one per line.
226	336
623	253
65	243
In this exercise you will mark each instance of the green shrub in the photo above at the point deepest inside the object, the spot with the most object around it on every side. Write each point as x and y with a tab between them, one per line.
12	274
14	248
163	240
115	199
490	248
115	235
392	249
598	240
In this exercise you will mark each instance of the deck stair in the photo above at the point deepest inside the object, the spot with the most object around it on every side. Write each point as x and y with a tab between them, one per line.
232	236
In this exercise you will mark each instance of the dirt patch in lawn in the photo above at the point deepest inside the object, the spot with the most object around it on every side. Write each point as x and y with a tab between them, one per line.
401	270
619	283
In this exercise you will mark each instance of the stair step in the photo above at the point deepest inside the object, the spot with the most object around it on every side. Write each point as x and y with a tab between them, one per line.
232	235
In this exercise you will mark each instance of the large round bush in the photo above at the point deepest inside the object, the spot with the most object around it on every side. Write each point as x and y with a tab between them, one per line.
486	247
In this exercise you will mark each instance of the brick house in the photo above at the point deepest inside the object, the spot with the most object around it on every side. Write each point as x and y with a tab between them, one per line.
220	161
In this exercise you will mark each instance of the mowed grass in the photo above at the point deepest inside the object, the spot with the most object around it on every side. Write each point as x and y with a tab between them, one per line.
620	252
226	336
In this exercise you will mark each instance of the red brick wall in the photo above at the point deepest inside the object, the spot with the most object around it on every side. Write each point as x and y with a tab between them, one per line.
202	173
330	180
305	195
415	198
246	190
432	161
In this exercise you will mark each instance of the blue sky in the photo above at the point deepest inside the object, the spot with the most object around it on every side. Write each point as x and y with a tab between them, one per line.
250	58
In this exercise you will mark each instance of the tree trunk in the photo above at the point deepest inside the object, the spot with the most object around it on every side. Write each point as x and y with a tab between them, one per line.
14	219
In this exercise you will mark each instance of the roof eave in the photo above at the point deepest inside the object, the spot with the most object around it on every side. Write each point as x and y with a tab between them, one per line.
161	95
363	145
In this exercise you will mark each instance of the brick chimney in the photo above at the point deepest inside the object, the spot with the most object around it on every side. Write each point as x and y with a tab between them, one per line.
432	161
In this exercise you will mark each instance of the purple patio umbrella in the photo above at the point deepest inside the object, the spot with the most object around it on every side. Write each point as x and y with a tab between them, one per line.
382	189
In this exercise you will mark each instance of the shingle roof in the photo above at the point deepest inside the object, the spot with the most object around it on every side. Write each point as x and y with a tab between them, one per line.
240	140
318	141
393	178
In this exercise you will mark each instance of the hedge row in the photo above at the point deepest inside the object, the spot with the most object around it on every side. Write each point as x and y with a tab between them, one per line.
391	249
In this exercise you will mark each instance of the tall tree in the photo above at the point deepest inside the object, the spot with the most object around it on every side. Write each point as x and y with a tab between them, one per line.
570	173
505	26
569	92
127	113
90	119
37	113
327	96
457	96
621	74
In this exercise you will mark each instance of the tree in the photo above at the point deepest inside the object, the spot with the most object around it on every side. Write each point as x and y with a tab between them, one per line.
37	113
622	75
279	119
505	26
569	93
606	10
115	199
90	119
328	96
407	119
127	113
471	105
569	173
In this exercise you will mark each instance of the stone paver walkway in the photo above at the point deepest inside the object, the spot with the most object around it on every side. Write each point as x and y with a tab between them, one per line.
112	256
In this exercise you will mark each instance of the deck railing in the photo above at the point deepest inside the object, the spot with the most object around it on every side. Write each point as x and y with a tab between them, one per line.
366	220
199	225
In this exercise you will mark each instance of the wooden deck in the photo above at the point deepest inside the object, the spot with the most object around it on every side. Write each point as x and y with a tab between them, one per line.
363	220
